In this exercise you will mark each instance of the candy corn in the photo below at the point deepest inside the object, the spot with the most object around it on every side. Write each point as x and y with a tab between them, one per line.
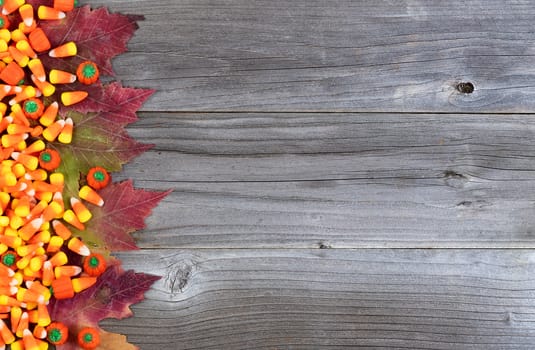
45	87
40	258
6	334
25	47
82	283
73	97
52	131
61	77
66	50
65	136
61	230
26	93
29	341
11	6
67	270
59	259
45	12
76	246
90	195
36	67
82	213
49	115
26	13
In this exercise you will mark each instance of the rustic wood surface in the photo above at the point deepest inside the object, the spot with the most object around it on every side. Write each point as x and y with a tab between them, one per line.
342	180
334	298
297	135
339	55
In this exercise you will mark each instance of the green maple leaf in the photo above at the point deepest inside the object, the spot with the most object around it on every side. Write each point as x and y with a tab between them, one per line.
97	141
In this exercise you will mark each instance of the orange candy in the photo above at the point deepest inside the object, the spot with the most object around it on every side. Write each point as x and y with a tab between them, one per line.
11	6
33	108
39	40
73	97
94	265
98	178
64	5
62	288
88	338
35	265
4	22
12	74
49	159
57	333
66	50
45	12
87	72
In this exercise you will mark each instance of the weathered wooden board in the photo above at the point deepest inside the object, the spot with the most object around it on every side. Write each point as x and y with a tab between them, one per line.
334	299
396	177
342	55
342	180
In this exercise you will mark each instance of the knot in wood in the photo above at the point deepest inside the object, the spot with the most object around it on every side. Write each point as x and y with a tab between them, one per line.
465	87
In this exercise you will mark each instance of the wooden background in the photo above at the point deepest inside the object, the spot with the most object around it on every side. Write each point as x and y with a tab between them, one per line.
333	187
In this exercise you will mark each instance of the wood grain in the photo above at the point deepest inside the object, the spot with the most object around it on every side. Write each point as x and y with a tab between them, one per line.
342	180
334	124
316	55
334	299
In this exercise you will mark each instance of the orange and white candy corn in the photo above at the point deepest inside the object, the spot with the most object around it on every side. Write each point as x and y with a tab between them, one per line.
66	50
73	97
45	12
90	195
78	247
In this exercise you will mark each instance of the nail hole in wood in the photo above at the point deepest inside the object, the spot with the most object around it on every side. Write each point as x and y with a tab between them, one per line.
465	87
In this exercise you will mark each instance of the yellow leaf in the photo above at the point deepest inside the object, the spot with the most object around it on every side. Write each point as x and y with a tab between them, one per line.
114	341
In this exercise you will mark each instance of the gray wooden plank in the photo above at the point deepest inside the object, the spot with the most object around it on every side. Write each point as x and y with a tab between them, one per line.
334	299
343	55
339	180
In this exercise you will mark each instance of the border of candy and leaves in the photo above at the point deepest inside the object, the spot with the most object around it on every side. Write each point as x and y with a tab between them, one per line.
109	100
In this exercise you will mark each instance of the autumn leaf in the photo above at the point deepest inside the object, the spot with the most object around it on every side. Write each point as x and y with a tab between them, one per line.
97	141
111	297
118	104
114	341
98	34
124	211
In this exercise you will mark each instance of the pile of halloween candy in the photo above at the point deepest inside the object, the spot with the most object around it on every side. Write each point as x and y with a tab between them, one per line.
40	257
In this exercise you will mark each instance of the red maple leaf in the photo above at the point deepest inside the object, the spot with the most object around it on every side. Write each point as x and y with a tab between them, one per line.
118	104
99	139
98	34
124	211
110	297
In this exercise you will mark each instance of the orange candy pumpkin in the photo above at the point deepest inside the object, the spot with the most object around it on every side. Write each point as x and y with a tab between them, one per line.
98	178
94	265
87	72
49	159
89	338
